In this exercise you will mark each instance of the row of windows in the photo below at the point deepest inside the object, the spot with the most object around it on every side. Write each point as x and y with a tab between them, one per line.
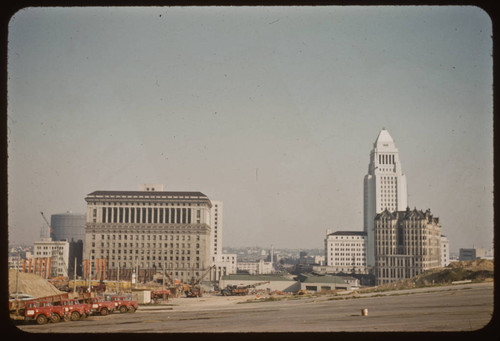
119	203
114	236
148	245
386	159
147	215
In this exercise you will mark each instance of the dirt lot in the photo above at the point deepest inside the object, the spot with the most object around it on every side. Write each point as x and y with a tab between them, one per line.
452	308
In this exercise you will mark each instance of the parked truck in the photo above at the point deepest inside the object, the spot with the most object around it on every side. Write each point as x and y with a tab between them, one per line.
123	305
76	310
101	307
41	312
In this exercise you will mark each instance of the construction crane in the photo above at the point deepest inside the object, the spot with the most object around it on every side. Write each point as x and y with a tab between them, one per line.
194	288
48	224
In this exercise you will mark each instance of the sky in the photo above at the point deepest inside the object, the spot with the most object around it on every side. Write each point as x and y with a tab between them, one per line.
271	110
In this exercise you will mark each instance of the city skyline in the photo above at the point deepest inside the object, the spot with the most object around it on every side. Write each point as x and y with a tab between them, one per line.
271	110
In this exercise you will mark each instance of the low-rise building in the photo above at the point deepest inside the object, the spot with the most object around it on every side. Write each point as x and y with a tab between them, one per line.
256	268
261	282
223	264
315	283
470	254
50	258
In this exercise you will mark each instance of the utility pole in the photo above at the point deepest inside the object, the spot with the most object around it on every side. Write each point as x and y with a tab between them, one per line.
90	275
74	278
163	278
17	274
118	279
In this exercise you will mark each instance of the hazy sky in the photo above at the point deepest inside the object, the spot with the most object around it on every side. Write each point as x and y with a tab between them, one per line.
272	110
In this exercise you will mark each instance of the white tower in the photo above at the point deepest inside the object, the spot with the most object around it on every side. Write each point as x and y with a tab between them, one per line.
384	187
216	228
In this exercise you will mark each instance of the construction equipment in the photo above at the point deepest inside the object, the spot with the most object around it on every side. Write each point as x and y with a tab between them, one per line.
235	290
48	224
193	289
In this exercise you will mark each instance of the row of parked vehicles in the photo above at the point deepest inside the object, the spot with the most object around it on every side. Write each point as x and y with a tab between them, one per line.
62	308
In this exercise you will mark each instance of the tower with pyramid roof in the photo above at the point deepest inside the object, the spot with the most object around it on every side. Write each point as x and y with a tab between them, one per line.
384	187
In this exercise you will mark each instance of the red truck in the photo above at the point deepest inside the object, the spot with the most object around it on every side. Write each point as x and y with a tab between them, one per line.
102	307
76	310
43	312
122	304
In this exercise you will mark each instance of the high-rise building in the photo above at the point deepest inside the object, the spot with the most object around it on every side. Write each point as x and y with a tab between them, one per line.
148	229
384	187
407	244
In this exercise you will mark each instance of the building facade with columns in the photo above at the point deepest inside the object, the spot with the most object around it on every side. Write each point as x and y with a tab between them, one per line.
149	229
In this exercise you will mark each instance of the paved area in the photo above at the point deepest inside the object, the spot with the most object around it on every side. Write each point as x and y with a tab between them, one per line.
454	308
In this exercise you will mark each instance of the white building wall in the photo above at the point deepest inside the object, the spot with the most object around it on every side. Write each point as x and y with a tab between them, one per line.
346	252
256	268
58	251
445	251
216	213
225	264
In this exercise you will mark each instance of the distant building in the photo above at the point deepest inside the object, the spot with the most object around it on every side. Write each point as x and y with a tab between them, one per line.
315	283
50	258
384	187
445	251
216	214
224	264
470	254
407	244
346	251
256	268
269	282
68	226
149	229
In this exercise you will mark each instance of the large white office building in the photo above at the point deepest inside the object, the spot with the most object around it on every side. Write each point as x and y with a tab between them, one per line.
384	187
345	252
149	229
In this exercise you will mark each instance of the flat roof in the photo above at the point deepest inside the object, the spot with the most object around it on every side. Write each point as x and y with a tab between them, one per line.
348	233
259	278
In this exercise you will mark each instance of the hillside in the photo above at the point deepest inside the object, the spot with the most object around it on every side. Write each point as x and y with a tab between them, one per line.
31	284
479	270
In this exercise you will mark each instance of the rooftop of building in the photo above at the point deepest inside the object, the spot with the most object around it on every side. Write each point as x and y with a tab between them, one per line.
407	214
184	195
260	278
310	278
347	233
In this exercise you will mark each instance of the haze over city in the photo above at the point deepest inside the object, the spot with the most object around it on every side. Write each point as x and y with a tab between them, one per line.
272	110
